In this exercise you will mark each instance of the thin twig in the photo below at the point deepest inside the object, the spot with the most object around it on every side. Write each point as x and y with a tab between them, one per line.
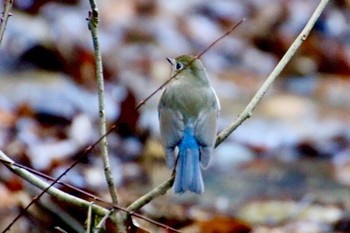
220	38
93	22
247	112
4	18
102	221
89	219
93	26
60	230
59	213
156	192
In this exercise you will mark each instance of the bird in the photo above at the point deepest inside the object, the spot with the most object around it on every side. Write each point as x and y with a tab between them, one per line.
188	111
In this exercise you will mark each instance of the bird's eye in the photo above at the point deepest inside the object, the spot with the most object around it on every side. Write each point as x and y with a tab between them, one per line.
178	66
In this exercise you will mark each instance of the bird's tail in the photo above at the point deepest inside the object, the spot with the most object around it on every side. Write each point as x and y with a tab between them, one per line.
188	171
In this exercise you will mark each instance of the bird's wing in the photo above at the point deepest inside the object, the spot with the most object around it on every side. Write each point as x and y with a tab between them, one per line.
171	130
206	129
205	133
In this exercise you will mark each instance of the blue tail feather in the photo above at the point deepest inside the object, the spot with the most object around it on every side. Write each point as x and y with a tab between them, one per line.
188	172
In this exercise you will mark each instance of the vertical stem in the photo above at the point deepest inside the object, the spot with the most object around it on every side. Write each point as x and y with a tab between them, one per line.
5	15
102	116
93	22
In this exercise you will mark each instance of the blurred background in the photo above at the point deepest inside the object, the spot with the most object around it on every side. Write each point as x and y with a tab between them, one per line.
286	169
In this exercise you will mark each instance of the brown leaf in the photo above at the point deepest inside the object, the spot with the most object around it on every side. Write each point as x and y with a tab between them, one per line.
224	225
14	183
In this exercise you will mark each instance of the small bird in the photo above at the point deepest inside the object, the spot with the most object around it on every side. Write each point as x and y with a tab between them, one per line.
188	111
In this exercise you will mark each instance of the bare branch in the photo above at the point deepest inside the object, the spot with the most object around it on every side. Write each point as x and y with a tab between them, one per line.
93	22
156	192
93	26
4	18
99	226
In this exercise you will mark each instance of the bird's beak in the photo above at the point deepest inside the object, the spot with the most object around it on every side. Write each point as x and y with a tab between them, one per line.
171	60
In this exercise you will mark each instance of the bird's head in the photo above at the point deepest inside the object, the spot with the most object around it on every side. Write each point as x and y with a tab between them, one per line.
188	67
